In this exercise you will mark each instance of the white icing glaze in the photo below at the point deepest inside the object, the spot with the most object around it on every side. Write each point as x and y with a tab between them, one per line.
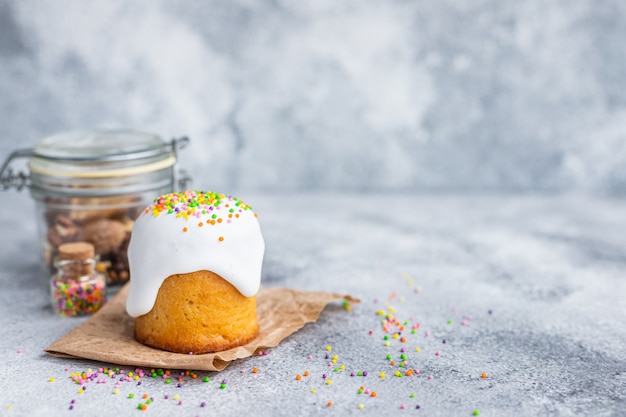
159	248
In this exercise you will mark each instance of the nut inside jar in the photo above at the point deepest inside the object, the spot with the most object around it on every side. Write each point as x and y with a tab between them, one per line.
105	222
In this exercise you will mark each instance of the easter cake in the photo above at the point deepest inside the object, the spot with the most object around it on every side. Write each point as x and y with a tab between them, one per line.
195	263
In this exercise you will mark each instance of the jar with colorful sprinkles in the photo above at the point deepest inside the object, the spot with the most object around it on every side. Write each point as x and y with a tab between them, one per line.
77	288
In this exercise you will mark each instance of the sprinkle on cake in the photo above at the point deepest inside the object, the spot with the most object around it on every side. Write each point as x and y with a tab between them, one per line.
209	207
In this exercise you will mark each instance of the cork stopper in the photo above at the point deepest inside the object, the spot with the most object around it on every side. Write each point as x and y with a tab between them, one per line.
76	259
76	251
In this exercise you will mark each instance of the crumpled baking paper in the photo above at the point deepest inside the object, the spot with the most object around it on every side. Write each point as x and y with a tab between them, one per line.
108	335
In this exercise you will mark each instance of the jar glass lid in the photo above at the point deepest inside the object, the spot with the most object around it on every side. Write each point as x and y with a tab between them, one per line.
99	145
101	153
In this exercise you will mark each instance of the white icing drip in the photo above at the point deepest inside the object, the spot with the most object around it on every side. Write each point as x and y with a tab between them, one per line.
159	248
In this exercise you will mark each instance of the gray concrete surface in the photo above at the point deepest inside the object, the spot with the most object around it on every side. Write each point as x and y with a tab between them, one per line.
538	280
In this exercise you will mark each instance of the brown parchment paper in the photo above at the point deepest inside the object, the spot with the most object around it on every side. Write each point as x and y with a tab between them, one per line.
108	335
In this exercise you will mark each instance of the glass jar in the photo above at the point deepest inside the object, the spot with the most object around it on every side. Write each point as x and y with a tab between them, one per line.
77	289
91	185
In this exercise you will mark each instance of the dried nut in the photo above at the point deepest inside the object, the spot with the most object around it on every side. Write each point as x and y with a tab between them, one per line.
106	235
64	230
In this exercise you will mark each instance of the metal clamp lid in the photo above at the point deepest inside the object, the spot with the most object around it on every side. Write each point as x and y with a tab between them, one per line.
9	179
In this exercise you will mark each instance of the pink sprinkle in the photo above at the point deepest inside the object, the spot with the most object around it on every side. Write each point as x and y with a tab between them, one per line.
19	350
430	377
67	369
427	333
417	371
402	406
330	364
437	353
367	391
464	323
402	350
309	357
243	371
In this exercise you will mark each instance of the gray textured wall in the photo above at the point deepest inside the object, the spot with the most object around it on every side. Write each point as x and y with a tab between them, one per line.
481	94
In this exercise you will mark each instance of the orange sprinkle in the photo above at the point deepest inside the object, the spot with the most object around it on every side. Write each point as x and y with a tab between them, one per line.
329	404
306	373
237	215
200	224
256	215
230	216
219	220
483	375
392	363
180	380
144	407
373	394
168	372
221	238
185	229
194	376
298	377
403	340
255	370
145	396
147	211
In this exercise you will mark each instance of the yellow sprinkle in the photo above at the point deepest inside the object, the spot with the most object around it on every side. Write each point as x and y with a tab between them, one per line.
380	313
392	310
328	348
313	390
387	343
130	374
89	371
334	361
9	406
335	357
402	299
116	391
348	307
418	349
398	373
396	336
328	382
80	391
361	406
51	379
342	367
136	378
382	374
176	397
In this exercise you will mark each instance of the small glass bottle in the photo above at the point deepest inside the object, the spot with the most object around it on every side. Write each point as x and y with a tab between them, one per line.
77	288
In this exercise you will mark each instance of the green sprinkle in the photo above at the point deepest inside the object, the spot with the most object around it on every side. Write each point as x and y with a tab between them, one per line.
206	379
359	373
388	357
476	412
412	395
168	381
386	337
449	321
222	386
131	395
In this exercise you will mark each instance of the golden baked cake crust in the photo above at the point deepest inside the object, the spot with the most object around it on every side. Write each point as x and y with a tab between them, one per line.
198	312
